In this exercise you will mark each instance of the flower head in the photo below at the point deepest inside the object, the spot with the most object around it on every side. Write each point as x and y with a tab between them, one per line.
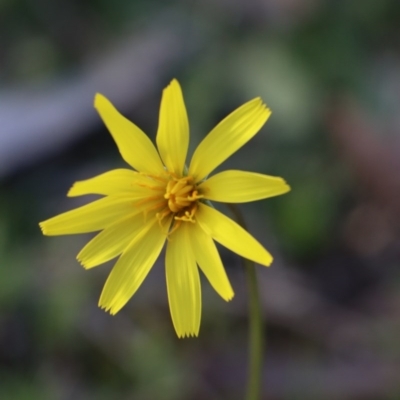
161	201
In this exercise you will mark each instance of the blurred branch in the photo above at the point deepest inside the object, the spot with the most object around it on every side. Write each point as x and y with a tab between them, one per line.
36	121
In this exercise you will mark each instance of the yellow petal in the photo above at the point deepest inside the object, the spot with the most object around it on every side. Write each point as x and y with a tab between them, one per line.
227	137
116	181
183	283
90	217
241	187
112	241
132	267
209	261
231	235
135	147
173	129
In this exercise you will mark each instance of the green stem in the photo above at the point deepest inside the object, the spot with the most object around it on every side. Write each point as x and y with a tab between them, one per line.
256	342
256	345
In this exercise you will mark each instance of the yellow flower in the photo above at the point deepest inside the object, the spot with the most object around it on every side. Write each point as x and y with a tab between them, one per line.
162	201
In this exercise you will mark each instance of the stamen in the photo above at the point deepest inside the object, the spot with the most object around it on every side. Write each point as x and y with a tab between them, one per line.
195	196
173	206
188	216
175	197
161	215
178	186
184	190
182	201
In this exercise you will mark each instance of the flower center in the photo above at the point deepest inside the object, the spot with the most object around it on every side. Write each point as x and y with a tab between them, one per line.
176	197
181	195
173	196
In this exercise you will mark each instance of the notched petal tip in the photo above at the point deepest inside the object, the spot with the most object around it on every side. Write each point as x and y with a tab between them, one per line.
72	192
83	262
187	335
98	98
229	297
267	262
174	84
174	81
285	188
266	110
45	228
107	308
258	101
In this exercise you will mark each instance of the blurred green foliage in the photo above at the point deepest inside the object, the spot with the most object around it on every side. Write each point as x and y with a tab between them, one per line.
54	343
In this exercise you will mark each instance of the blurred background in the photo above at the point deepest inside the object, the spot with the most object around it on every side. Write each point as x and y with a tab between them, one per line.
330	72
